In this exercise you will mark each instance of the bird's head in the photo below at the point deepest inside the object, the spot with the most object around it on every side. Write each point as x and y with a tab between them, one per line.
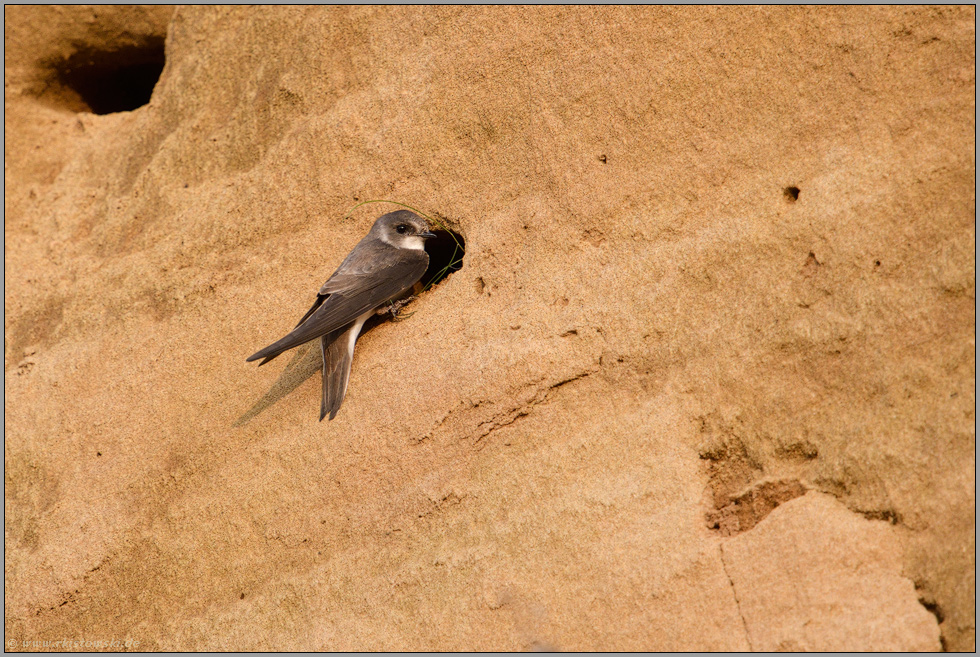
402	229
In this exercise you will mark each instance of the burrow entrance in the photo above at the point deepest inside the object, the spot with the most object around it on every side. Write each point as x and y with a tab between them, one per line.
118	80
446	252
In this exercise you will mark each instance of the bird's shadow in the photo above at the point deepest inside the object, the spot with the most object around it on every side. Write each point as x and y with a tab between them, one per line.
306	361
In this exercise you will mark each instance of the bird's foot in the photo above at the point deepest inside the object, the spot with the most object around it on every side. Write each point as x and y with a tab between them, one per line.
394	308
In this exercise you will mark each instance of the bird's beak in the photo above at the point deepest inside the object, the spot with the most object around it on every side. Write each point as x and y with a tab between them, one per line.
427	235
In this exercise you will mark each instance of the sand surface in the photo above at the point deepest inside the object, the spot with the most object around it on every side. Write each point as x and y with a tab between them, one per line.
706	380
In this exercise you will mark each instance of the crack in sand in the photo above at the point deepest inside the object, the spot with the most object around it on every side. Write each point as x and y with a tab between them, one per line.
486	427
738	605
540	397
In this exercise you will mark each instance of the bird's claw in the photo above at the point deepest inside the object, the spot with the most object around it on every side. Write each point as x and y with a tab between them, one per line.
394	308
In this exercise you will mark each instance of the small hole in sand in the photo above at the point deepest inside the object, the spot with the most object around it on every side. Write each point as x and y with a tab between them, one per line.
445	256
120	80
791	194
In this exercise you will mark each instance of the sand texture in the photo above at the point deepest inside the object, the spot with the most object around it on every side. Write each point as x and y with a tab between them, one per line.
706	380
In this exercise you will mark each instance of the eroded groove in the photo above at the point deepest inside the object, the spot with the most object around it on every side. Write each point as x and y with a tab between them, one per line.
927	600
540	397
486	427
743	512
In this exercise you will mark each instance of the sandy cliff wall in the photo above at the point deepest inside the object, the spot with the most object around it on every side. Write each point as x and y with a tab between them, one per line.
706	379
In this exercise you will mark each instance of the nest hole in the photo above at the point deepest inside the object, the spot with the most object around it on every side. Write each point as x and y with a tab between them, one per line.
118	80
445	251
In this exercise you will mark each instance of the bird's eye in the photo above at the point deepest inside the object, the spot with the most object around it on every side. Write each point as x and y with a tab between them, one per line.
401	228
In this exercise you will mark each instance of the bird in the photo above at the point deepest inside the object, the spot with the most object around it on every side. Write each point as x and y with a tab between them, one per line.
381	267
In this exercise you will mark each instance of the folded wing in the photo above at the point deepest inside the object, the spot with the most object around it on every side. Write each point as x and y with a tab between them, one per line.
364	281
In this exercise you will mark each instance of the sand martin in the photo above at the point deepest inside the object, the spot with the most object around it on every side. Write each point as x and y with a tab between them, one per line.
382	267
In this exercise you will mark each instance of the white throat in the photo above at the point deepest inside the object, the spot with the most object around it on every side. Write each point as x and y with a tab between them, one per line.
413	242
